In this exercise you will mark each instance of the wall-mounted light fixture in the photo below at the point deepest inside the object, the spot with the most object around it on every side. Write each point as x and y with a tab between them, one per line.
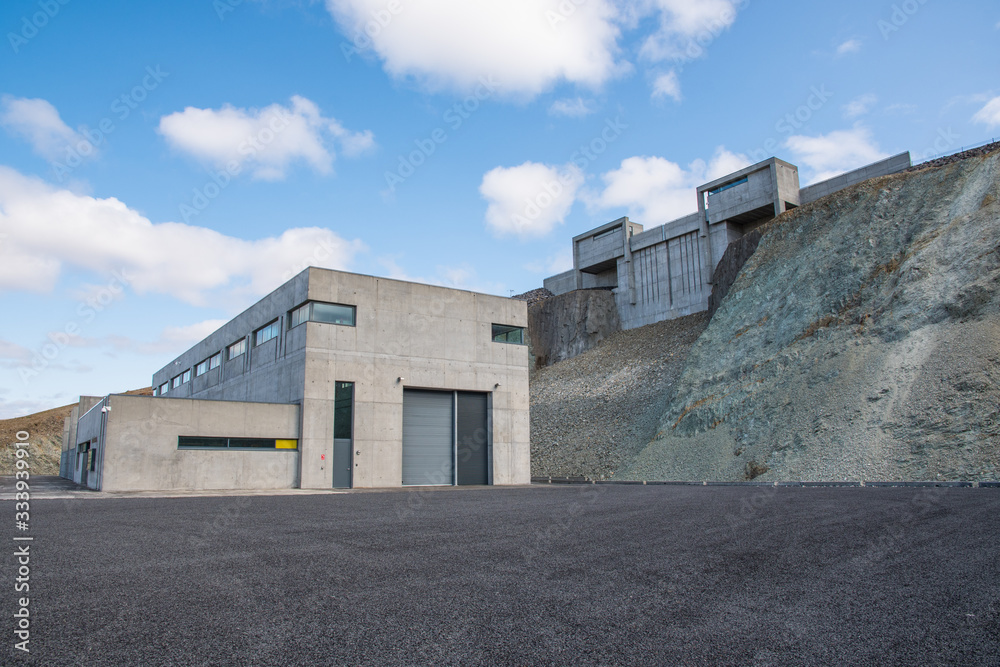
496	386
400	379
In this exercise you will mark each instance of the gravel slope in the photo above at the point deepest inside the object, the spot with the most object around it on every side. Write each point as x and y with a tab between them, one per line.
591	413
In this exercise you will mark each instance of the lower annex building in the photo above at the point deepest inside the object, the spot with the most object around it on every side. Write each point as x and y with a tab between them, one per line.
332	380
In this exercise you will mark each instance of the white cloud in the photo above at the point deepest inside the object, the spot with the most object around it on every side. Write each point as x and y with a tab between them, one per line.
655	190
267	139
859	106
667	85
832	154
572	107
529	200
685	27
38	122
989	115
528	45
850	46
48	228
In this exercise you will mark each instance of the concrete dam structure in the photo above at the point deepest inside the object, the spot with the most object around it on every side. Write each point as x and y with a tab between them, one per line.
667	271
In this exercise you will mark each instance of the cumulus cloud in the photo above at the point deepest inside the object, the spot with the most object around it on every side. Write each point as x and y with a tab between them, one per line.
859	106
525	44
528	45
686	27
832	154
850	46
529	200
667	85
655	190
267	140
989	115
48	229
571	107
39	123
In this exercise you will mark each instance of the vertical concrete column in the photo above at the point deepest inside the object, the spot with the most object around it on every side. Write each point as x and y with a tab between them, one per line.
705	235
779	204
577	275
629	267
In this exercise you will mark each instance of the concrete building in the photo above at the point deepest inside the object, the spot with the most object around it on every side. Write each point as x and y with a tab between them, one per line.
332	380
666	272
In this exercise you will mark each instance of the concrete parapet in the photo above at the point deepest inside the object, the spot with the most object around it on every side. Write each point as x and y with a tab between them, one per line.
892	165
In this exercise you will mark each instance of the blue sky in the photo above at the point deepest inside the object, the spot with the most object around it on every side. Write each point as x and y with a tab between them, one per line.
163	165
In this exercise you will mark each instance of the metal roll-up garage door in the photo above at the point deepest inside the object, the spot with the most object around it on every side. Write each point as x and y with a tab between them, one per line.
428	437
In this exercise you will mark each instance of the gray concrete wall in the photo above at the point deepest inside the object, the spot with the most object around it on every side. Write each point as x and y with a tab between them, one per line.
140	450
757	192
68	461
892	165
788	183
273	378
668	280
561	283
433	337
88	432
599	248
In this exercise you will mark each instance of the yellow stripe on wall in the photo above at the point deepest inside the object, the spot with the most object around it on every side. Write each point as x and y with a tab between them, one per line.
286	444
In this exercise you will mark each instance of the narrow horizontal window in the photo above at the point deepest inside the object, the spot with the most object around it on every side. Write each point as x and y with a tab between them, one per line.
215	361
200	442
176	382
328	313
723	188
265	334
237	348
187	376
503	333
164	388
605	234
201	368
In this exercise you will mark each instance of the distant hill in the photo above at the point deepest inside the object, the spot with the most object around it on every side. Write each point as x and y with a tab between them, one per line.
45	431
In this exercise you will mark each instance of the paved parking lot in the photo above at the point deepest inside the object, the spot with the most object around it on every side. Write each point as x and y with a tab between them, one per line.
552	575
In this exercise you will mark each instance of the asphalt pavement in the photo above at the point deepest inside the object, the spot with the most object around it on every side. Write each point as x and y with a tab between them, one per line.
547	575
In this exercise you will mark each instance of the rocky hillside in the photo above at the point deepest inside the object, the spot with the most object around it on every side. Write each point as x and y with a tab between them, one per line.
860	341
592	413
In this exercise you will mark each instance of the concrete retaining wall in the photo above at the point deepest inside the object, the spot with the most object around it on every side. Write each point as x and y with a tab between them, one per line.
892	165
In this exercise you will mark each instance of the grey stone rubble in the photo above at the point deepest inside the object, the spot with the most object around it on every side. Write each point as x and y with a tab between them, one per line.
534	296
592	413
957	157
